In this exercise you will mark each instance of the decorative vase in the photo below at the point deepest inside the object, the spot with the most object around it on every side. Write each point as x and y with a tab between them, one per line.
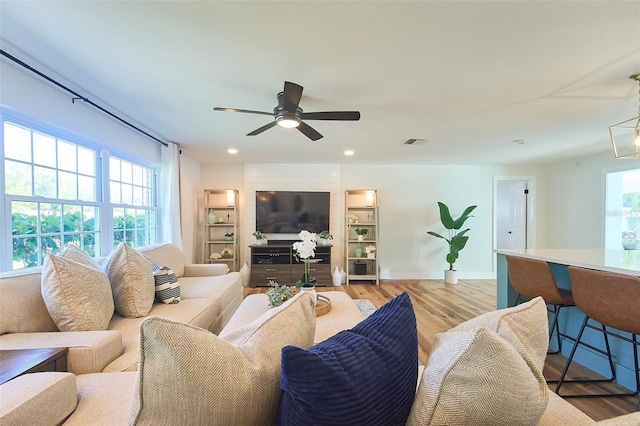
450	276
245	273
358	251
344	276
211	218
371	255
336	277
360	237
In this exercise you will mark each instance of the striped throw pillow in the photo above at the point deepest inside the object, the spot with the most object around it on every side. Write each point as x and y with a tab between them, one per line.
167	285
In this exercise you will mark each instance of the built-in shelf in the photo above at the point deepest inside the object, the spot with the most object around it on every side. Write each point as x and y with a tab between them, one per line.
221	218
361	211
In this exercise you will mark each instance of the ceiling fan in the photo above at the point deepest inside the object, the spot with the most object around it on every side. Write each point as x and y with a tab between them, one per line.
289	115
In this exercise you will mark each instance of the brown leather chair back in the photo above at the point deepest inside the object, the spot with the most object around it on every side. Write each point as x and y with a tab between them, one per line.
609	298
533	278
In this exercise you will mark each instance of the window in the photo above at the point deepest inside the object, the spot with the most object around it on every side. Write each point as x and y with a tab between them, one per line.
58	192
132	185
622	226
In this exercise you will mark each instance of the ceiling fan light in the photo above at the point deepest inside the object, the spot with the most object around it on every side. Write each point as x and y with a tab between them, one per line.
288	122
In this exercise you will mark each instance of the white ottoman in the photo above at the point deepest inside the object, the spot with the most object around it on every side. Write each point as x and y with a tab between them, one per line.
343	315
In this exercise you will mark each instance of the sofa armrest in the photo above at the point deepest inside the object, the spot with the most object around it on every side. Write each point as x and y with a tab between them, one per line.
632	419
205	270
38	399
89	351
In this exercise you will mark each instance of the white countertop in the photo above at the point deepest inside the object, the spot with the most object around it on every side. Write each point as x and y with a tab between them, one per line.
619	261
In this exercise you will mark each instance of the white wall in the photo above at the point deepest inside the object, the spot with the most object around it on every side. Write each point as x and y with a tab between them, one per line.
576	199
190	190
407	198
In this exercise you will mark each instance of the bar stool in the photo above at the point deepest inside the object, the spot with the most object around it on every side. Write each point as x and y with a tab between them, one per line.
612	300
532	278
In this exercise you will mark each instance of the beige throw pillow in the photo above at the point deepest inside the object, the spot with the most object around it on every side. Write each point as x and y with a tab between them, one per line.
131	280
78	297
187	375
73	252
477	378
524	326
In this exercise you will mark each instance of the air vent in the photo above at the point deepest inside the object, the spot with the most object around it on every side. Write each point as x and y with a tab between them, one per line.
413	141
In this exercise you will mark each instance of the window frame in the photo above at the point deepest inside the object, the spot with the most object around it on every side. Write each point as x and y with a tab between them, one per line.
103	153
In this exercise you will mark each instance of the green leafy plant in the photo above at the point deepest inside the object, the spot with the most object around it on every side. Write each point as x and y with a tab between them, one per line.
362	231
456	238
325	235
259	235
278	294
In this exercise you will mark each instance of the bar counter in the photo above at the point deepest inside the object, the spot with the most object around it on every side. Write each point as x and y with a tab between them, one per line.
617	261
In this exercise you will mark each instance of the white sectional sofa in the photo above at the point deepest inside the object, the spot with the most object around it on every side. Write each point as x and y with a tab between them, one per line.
210	294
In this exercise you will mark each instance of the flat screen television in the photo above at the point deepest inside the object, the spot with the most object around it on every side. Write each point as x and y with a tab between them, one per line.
289	212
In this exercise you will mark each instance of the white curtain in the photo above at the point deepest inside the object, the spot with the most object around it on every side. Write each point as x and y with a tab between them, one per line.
169	195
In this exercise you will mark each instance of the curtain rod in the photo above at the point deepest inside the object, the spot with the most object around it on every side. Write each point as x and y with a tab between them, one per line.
78	96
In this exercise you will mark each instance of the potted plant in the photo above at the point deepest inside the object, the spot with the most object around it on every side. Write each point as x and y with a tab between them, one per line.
260	237
278	294
304	251
324	237
456	238
361	233
228	237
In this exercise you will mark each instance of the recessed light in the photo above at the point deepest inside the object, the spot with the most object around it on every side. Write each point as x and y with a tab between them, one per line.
348	152
232	151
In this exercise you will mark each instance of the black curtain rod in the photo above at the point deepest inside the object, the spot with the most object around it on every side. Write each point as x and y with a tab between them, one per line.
78	96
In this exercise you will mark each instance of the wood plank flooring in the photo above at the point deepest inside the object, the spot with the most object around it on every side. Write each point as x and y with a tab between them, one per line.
439	307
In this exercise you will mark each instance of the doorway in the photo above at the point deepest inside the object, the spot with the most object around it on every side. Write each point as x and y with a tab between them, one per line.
513	213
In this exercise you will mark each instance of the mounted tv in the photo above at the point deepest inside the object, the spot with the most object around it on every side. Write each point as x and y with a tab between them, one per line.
289	212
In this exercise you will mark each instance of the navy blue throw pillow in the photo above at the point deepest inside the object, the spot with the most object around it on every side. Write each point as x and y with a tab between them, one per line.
363	376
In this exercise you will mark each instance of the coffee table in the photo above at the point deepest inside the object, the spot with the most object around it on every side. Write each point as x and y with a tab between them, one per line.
16	362
344	314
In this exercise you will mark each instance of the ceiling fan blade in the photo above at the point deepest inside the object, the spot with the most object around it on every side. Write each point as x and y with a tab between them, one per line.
291	96
309	131
332	115
248	111
262	129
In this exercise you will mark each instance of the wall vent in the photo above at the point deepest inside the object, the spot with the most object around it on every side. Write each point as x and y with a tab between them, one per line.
413	141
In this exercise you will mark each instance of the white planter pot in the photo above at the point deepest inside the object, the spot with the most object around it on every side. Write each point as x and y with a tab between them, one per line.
360	237
450	277
371	255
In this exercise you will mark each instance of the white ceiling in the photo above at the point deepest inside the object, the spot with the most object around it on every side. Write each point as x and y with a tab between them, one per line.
470	77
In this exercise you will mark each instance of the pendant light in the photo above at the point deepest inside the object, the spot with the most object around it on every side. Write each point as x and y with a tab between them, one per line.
625	136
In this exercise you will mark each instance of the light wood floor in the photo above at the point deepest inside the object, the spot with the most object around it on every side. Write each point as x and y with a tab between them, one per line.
439	307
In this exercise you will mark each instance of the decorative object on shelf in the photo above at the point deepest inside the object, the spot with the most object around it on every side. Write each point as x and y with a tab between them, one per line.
625	136
245	273
324	237
228	237
371	251
211	217
220	220
278	294
352	218
227	252
630	240
360	267
344	276
336	277
358	251
457	239
304	250
361	233
260	237
215	256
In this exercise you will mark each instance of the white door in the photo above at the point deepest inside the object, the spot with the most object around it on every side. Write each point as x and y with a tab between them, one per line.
518	216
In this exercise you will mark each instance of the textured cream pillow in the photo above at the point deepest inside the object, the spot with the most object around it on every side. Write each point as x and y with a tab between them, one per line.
73	252
78	297
187	375
477	378
524	326
131	280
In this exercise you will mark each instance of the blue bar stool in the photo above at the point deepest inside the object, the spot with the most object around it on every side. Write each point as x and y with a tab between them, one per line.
532	278
612	300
